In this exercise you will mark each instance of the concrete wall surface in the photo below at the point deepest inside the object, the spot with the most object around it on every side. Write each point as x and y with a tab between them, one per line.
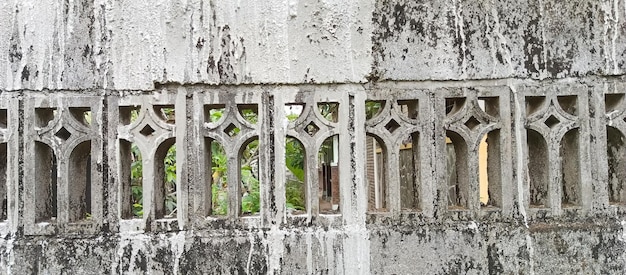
87	86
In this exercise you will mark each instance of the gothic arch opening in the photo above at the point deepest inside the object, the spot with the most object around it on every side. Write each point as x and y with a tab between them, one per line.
46	183
570	169
457	171
165	179
249	177
376	174
489	168
538	165
616	158
216	179
79	189
296	191
409	154
131	180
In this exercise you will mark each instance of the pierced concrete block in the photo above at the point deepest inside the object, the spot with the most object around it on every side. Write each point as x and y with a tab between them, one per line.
231	165
474	151
402	125
147	158
556	137
63	170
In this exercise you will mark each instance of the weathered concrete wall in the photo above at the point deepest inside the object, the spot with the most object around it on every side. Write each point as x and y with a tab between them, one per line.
543	75
443	40
133	44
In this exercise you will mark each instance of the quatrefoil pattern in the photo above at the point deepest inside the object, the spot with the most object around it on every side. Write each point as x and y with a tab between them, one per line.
552	115
311	127
150	128
233	120
231	130
472	117
63	128
65	141
394	122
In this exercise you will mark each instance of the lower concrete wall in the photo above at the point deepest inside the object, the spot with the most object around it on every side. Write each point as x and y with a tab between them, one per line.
455	248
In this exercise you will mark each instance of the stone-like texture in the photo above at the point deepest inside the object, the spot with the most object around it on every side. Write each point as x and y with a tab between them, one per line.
418	40
131	44
51	45
544	74
580	232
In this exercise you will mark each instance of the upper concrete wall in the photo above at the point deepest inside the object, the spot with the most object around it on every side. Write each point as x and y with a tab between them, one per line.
416	40
133	44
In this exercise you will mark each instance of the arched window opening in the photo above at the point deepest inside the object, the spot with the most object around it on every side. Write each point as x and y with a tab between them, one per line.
570	170
373	108
131	181
213	113
249	112
216	192
43	116
128	114
82	115
3	182
329	176
80	182
167	113
293	111
46	183
249	178
165	180
457	171
329	110
489	170
616	157
376	175
409	107
538	164
410	172
295	177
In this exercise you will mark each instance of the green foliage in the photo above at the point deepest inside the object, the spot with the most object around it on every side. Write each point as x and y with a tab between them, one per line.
329	110
292	116
294	189
250	115
170	181
372	108
250	203
219	188
136	178
215	114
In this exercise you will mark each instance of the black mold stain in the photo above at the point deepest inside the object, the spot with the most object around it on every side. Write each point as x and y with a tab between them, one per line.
88	51
211	64
534	61
225	68
400	15
15	53
494	264
200	43
561	64
141	261
164	257
25	73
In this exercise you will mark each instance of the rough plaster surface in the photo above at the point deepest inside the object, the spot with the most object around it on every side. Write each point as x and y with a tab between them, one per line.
418	40
133	44
106	54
